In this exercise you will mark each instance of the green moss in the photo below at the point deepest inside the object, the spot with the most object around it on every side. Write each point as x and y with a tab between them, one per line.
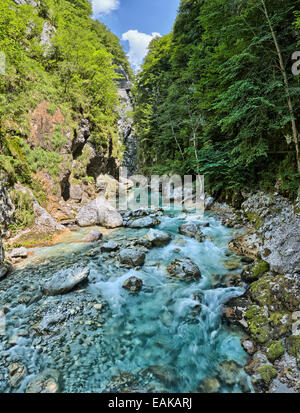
268	373
261	292
282	322
255	220
258	322
275	350
293	346
260	269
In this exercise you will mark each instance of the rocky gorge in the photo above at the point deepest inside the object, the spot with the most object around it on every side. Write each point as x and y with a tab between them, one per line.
230	299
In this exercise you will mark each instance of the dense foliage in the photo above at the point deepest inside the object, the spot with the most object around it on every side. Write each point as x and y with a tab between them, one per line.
213	97
55	52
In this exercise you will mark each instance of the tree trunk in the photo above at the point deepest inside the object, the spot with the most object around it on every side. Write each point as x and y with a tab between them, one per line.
176	140
286	86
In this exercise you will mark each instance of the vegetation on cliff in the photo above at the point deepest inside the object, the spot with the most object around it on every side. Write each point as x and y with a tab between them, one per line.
61	61
217	96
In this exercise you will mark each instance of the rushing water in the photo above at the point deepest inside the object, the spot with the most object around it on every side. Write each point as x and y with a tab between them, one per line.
163	336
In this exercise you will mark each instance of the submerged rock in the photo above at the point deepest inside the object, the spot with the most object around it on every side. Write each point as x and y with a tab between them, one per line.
46	382
120	381
228	372
99	212
16	374
158	238
210	385
191	230
133	284
132	258
165	374
184	269
65	281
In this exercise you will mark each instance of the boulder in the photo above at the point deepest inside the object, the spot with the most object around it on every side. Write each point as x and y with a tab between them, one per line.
158	238
46	382
93	236
191	230
132	258
184	269
133	284
65	280
109	247
99	212
19	253
76	193
145	222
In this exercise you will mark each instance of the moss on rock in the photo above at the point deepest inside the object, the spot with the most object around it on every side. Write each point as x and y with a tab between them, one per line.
258	322
275	350
267	373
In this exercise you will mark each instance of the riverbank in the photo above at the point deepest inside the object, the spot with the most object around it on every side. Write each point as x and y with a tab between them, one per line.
269	310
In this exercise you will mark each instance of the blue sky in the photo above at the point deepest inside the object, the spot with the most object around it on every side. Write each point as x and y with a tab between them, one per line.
136	22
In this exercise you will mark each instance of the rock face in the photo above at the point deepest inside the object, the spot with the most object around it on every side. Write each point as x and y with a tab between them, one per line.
132	258
4	267
133	285
125	123
6	206
99	212
158	238
43	220
65	281
277	223
46	382
191	230
184	269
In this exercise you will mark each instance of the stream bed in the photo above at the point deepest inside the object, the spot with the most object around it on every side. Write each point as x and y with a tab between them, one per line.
100	338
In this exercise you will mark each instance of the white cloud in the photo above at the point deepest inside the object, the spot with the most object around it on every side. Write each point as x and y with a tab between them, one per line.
102	7
138	46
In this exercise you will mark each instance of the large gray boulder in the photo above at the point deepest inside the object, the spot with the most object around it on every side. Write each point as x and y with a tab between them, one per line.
65	280
19	253
132	258
184	269
158	238
99	212
145	222
192	230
